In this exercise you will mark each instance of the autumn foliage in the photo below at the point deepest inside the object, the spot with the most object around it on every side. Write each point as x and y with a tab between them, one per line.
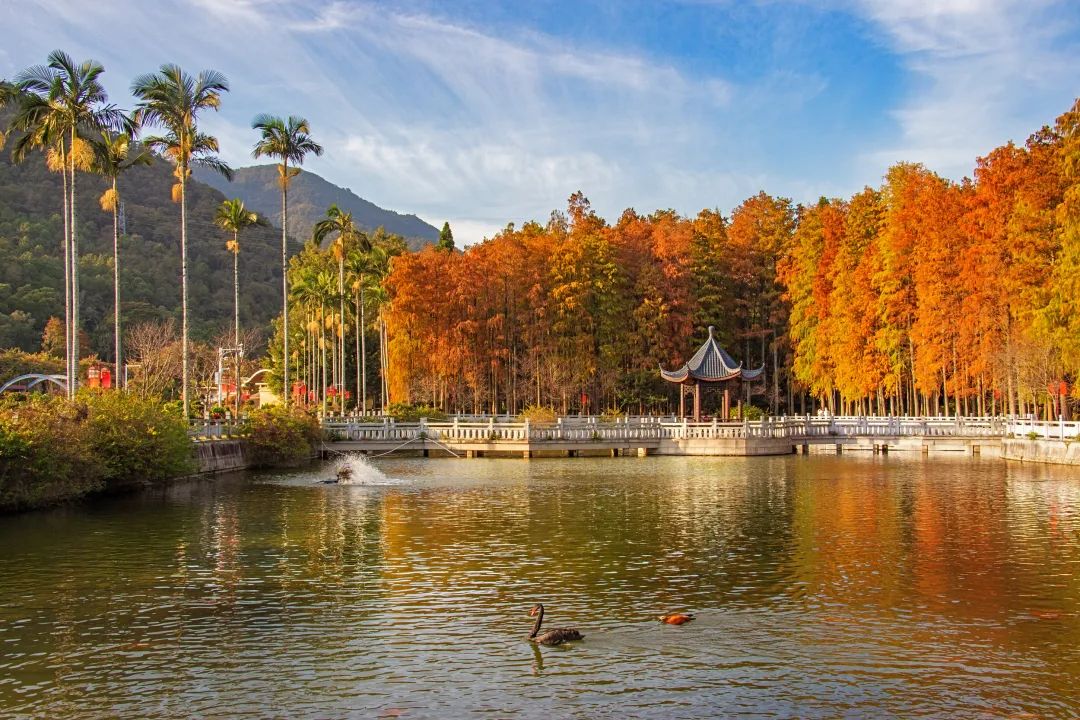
577	314
921	296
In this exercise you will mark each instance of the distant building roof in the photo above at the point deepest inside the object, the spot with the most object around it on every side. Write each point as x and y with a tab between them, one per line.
711	363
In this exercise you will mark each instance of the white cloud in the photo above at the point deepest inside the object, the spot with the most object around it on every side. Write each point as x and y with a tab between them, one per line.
987	71
488	125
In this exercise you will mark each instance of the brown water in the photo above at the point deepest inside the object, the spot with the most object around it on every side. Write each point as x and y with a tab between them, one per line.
824	587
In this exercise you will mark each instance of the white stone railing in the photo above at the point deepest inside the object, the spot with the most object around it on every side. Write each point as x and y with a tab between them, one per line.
1048	429
629	430
214	429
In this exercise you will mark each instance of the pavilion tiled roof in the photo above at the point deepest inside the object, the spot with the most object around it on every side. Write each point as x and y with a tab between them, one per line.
711	363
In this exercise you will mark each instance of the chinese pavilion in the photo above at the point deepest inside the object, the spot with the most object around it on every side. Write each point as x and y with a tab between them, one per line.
710	364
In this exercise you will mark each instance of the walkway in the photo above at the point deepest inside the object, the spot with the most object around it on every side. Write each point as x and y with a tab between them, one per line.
644	435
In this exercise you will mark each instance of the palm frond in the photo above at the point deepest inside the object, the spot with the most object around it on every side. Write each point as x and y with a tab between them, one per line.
216	164
38	79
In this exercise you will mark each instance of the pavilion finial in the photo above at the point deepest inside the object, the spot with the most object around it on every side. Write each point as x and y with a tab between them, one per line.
711	331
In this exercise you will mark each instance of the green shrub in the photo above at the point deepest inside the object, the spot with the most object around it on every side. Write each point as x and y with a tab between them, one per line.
137	441
404	412
45	456
752	412
539	414
611	415
1032	435
280	436
16	362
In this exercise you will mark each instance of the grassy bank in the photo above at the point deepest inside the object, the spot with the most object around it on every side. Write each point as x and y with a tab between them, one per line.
53	450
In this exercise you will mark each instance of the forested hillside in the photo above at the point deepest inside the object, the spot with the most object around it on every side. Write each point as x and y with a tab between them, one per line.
31	256
309	197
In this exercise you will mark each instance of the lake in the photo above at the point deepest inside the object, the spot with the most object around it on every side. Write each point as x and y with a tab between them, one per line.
823	587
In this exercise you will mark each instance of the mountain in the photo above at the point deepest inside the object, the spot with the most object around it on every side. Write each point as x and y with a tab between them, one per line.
31	256
309	197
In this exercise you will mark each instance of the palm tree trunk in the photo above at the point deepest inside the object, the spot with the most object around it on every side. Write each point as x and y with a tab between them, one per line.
341	324
333	355
322	354
361	331
73	382
184	291
116	284
384	386
285	279
236	315
67	274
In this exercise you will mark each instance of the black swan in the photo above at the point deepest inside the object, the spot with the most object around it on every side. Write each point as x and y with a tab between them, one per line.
676	618
552	637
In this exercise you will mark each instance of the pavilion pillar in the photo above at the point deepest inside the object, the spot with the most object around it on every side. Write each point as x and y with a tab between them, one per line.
727	403
682	401
697	402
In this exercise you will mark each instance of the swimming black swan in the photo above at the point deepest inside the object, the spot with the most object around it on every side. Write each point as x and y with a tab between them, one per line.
676	618
552	637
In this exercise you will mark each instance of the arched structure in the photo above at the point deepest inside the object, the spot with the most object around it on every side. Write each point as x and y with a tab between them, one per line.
254	375
35	379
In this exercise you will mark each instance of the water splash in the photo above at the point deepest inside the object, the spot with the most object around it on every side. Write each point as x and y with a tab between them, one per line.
355	469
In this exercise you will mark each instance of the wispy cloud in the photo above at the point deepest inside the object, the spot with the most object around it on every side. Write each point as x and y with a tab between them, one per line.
984	72
451	116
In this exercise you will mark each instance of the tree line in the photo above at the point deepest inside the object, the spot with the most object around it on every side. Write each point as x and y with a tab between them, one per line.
920	296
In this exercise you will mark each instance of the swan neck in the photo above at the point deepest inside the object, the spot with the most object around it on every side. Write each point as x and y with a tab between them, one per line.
536	625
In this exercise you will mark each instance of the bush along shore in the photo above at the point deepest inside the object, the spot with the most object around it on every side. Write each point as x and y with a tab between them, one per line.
53	449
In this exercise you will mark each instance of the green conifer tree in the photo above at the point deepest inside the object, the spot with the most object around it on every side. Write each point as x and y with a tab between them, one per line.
446	238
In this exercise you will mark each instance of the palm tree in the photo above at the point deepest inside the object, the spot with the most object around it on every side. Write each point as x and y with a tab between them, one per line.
367	269
40	128
348	236
288	141
113	155
315	288
325	289
233	217
61	100
377	293
173	99
359	268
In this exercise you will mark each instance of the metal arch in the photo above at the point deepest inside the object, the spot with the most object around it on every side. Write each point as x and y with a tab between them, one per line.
245	381
37	378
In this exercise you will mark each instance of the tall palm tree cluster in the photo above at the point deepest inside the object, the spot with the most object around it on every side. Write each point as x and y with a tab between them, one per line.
338	292
62	109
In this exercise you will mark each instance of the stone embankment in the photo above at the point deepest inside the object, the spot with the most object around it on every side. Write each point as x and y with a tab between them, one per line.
1053	452
221	456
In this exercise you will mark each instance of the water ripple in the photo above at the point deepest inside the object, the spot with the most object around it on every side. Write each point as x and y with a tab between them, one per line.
823	587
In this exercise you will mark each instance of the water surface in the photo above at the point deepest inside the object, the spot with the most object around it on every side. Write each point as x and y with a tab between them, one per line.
823	586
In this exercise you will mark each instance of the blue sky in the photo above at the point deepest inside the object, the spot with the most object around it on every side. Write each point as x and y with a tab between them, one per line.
486	113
